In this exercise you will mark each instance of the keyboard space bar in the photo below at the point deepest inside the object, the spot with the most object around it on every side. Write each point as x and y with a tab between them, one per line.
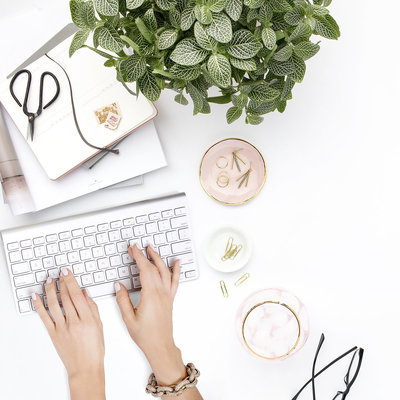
104	289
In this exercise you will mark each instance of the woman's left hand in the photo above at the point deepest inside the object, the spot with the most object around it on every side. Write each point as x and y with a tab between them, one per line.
77	336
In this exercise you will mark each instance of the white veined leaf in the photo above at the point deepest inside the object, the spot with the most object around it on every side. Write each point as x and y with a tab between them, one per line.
167	38
319	10
254	119
327	27
281	68
181	99
262	93
295	16
185	73
174	17
203	14
253	3
299	69
280	5
196	97
284	53
78	40
216	5
261	108
107	7
220	69
165	4
148	86
150	20
233	114
202	38
245	65
287	89
251	16
240	100
220	28
188	52
134	67
132	4
82	14
243	45
188	18
265	13
234	8
268	37
301	32
306	50
109	39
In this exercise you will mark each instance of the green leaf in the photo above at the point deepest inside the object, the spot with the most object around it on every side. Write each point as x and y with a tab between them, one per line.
203	14
78	40
220	28
252	4
266	13
107	7
109	63
133	4
185	73
325	27
268	37
150	20
320	10
254	119
220	69
234	8
196	97
281	68
216	5
281	107
240	100
245	65
165	4
233	114
262	93
280	5
306	50
148	86
301	32
181	99
109	39
299	69
202	38
261	108
175	17
83	14
188	52
284	53
287	89
243	45
144	30
167	38
188	18
220	99
134	67
295	16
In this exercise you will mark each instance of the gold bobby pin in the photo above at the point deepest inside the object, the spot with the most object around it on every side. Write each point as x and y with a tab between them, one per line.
244	178
235	159
218	162
223	289
242	279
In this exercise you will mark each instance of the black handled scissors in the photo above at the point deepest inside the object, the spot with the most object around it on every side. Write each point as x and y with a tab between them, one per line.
31	116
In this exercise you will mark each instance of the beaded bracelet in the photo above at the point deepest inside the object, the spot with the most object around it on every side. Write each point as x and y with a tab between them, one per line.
174	390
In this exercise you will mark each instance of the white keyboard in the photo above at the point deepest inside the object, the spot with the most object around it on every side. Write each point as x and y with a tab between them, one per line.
94	246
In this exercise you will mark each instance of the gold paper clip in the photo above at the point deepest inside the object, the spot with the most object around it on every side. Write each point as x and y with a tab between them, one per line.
223	289
237	250
242	279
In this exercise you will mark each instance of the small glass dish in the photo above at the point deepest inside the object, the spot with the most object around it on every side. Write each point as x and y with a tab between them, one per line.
272	324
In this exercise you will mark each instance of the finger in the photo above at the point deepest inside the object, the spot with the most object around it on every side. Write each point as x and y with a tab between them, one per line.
160	264
43	314
176	274
92	305
52	302
69	309
75	293
125	304
146	268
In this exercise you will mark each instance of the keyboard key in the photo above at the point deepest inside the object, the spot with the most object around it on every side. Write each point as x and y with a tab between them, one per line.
115	261
102	238
91	266
73	257
164	250
23	280
52	248
64	235
151	228
114	236
167	214
103	263
64	246
14	256
181	247
138	243
183	233
27	254
85	254
126	233
41	276
147	241
115	224
190	274
141	219
136	282
98	277
39	251
154	216
86	279
97	252
20	268
110	249
123	272
129	221
111	274
60	259
126	258
48	262
185	259
54	273
122	247
38	240
24	306
164	225
26	243
77	243
90	229
78	268
178	222
36	265
27	291
51	238
77	232
159	238
102	227
180	211
13	246
135	269
139	230
172	236
89	241
107	288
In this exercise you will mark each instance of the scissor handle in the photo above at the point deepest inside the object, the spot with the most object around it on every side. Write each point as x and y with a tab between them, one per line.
41	91
28	86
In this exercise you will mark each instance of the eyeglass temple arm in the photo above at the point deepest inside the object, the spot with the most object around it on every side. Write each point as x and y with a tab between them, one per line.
321	341
350	384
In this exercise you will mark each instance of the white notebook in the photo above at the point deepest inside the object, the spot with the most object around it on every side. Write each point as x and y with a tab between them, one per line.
57	144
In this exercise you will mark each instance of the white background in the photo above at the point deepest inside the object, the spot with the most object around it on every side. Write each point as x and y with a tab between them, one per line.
326	225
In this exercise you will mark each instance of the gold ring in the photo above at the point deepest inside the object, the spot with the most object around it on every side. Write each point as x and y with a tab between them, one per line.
223	180
222	158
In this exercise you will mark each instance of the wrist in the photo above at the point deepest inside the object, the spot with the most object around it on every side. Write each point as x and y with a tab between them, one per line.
87	384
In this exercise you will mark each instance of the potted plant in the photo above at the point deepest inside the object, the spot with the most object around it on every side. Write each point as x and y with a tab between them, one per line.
254	51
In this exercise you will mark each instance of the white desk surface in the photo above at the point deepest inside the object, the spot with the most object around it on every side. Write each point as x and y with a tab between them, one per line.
326	225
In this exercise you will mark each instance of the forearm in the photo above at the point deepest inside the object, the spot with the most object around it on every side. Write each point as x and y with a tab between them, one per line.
87	386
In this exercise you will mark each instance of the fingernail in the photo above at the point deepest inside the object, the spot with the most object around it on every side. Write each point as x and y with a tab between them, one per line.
178	263
64	271
117	287
49	280
33	296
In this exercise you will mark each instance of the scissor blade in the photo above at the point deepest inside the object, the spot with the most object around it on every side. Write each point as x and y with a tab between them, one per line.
59	37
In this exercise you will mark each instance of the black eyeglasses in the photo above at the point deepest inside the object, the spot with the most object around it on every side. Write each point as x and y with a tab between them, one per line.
350	377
